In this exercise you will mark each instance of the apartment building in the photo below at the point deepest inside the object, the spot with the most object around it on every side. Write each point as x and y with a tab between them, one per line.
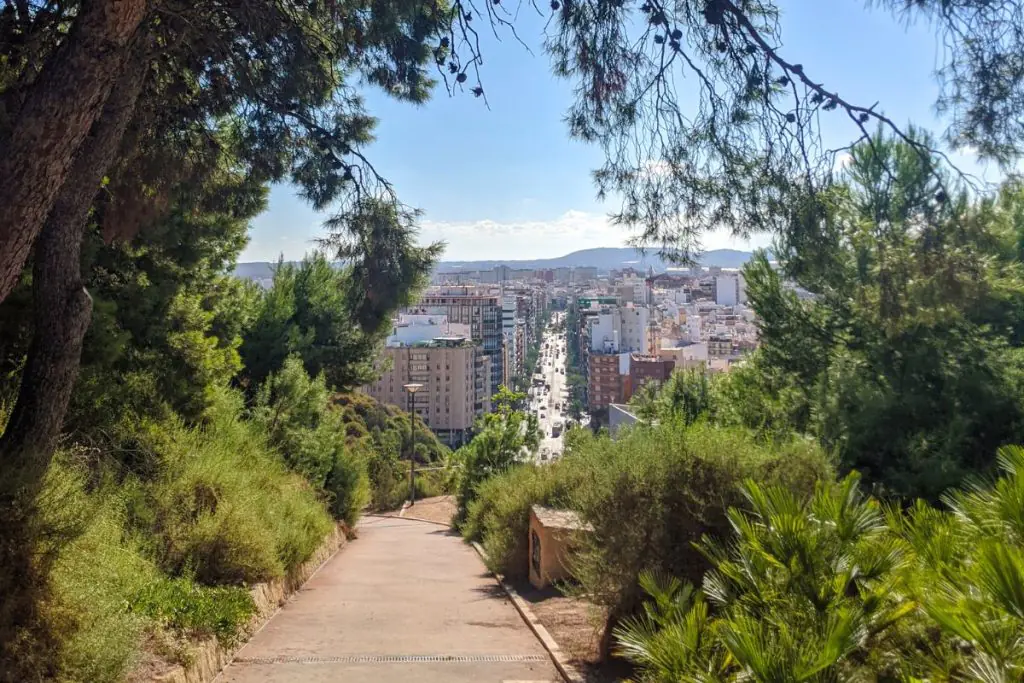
604	381
455	374
479	308
619	329
644	370
720	346
511	324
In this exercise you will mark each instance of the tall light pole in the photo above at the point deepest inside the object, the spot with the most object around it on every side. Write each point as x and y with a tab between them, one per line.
411	388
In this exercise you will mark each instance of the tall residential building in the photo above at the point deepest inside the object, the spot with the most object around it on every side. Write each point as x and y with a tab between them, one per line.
481	309
513	329
730	289
646	369
455	375
620	329
604	381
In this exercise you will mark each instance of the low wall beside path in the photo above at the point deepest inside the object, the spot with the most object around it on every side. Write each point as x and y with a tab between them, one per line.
209	656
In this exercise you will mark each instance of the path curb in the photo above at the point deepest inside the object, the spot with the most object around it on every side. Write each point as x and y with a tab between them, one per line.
569	672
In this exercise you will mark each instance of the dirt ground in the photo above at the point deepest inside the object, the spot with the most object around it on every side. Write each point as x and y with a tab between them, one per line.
575	625
439	509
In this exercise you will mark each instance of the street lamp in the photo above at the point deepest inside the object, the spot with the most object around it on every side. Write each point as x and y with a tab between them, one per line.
411	388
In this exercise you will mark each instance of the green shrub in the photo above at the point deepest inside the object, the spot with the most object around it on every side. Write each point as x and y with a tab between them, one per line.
348	487
196	610
654	491
93	578
499	517
294	411
223	507
651	493
835	587
218	506
378	434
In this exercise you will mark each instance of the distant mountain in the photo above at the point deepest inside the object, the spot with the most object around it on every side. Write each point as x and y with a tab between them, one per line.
255	270
604	258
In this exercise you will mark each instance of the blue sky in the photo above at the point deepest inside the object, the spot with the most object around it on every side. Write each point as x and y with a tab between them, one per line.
507	182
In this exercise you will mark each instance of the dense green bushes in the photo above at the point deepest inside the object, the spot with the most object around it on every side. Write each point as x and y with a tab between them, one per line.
379	435
652	493
168	555
154	535
223	505
649	495
296	414
97	569
835	587
500	515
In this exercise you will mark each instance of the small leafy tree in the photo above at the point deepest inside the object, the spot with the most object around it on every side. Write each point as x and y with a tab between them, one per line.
503	437
295	413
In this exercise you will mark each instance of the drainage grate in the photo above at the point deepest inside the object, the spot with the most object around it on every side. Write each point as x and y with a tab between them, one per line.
392	659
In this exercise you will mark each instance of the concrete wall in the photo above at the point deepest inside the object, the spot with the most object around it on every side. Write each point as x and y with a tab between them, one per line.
619	416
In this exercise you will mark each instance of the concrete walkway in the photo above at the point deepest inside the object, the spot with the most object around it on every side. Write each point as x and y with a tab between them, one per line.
406	601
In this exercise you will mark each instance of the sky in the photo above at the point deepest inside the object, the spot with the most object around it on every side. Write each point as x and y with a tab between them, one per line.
508	183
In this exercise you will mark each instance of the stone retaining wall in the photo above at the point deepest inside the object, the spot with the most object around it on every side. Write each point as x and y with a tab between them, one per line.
209	657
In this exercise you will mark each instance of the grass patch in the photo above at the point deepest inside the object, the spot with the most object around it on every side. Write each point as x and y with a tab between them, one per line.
199	611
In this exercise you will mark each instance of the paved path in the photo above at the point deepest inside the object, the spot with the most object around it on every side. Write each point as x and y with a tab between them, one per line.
406	601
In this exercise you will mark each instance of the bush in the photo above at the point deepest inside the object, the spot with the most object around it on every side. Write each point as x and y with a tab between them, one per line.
654	491
131	556
93	578
378	435
310	434
223	507
348	487
499	517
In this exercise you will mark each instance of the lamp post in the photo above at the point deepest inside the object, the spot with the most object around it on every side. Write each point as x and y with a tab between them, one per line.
411	389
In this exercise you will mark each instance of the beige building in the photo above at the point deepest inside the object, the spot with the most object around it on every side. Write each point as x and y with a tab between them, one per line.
455	374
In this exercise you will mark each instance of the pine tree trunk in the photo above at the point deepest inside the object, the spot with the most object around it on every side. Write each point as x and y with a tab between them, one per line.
59	109
61	314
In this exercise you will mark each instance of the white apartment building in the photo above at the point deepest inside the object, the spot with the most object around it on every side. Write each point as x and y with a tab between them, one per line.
730	289
620	329
412	328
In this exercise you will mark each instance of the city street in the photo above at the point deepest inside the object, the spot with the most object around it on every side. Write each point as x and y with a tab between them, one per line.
549	394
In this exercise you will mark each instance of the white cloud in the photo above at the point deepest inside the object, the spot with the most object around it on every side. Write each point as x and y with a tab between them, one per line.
487	239
842	161
490	239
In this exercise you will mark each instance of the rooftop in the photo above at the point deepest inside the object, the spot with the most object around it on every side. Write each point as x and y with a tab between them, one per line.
436	342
